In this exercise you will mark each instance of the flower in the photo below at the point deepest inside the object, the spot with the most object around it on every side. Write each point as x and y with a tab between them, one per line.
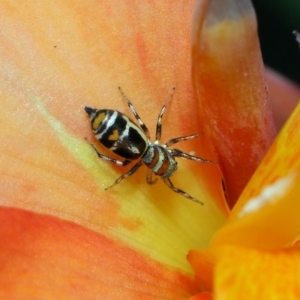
255	254
62	234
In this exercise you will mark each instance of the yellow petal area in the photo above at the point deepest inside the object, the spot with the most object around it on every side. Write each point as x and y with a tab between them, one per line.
243	273
234	272
267	214
59	56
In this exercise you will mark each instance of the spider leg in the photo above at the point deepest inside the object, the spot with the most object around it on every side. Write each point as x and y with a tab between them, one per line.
127	174
169	183
138	118
179	153
179	139
149	177
159	119
115	161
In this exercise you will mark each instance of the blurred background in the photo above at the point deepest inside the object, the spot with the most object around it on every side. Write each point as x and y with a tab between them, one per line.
276	21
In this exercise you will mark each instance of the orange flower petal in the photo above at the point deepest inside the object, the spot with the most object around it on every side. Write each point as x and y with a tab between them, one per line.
58	57
43	257
203	296
284	96
267	214
203	262
243	273
228	78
